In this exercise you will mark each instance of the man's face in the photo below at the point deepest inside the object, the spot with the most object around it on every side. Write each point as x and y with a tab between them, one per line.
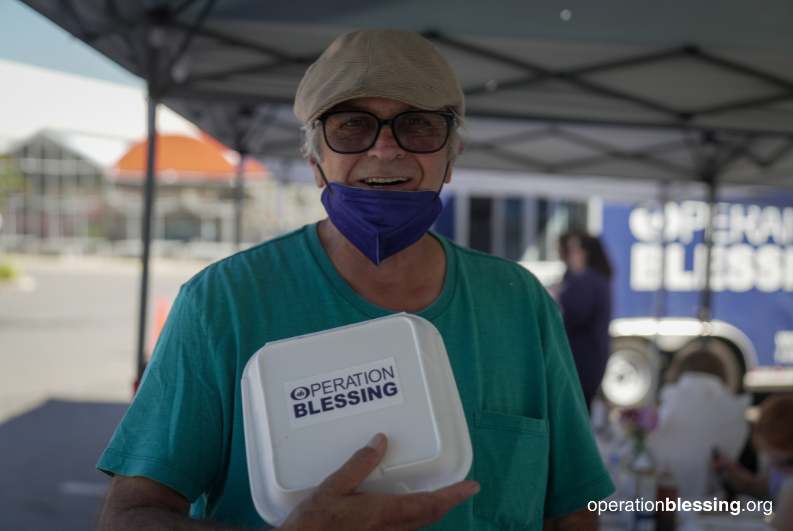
385	159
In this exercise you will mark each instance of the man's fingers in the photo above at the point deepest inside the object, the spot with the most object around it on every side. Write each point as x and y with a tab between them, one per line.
424	508
400	511
347	478
457	492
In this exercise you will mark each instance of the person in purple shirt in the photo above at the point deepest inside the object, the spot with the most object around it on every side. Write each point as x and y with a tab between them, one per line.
585	299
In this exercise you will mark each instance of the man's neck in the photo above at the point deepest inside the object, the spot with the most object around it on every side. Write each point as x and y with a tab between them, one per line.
407	281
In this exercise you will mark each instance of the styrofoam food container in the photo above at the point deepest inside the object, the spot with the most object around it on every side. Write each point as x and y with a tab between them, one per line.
309	402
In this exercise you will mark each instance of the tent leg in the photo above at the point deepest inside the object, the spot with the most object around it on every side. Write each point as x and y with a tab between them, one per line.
239	194
148	206
710	178
661	293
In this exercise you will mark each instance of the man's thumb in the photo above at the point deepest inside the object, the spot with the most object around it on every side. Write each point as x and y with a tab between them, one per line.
357	468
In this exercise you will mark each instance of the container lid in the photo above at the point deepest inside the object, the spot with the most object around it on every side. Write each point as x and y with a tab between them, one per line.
311	401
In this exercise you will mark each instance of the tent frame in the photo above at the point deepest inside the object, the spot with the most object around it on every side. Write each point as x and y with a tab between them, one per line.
714	148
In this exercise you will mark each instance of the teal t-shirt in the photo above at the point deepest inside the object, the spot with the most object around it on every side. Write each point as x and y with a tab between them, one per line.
534	453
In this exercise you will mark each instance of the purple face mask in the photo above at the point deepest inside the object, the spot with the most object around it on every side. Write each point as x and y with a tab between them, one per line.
380	223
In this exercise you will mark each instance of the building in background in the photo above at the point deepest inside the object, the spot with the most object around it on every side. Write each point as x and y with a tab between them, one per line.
196	194
195	190
72	160
60	186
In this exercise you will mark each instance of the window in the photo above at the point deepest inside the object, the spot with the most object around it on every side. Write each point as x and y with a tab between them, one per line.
519	227
481	225
514	243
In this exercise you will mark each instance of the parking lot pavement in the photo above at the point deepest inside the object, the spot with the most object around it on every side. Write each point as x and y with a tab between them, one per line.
67	364
73	335
47	456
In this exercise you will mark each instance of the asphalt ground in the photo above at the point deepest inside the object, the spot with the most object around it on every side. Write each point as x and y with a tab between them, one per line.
68	333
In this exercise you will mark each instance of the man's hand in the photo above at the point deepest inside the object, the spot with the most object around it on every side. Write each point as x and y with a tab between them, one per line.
336	504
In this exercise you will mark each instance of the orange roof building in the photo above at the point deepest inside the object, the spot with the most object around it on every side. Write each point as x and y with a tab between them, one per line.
186	160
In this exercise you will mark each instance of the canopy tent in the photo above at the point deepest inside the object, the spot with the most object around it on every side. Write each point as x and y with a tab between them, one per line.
690	91
620	88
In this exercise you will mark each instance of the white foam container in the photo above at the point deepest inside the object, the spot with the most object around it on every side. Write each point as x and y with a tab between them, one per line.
405	389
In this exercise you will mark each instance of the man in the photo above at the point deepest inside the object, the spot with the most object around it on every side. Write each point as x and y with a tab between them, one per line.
380	111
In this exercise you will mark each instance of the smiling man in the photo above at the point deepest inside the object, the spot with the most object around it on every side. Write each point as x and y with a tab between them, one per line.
382	199
381	112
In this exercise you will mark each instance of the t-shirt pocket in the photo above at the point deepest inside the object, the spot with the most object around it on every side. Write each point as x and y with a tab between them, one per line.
511	465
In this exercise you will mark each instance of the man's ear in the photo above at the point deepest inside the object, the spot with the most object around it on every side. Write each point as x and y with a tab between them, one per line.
448	177
315	168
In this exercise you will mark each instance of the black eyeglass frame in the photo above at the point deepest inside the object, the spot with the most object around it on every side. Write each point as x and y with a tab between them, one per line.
451	120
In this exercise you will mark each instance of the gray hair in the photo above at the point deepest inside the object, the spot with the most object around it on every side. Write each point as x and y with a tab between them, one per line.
312	138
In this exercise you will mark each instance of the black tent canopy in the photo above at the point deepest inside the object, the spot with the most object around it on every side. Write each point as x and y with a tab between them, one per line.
618	88
670	91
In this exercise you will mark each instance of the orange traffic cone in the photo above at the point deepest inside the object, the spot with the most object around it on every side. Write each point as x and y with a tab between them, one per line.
162	305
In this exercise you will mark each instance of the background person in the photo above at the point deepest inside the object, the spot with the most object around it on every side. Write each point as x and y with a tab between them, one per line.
585	298
772	436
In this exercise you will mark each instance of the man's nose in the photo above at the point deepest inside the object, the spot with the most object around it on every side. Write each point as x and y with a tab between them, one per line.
386	146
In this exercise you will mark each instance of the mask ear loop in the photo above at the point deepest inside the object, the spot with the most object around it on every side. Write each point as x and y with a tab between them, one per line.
448	162
443	179
322	173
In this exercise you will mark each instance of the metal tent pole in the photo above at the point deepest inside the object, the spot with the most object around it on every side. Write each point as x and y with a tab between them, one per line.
710	178
148	207
661	292
239	195
148	204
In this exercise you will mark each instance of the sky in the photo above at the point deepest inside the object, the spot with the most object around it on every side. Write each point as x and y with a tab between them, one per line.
27	37
32	99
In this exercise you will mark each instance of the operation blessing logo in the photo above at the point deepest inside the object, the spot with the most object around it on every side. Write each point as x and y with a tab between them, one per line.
342	393
752	247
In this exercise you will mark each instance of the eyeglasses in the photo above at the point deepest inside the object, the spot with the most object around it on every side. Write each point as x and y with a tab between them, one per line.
349	132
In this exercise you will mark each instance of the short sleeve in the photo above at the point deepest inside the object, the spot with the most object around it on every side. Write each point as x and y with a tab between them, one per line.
576	472
171	432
